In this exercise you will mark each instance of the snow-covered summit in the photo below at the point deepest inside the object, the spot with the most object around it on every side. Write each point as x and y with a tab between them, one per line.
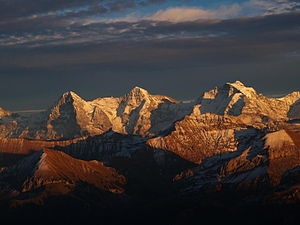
142	113
69	96
138	91
239	86
236	99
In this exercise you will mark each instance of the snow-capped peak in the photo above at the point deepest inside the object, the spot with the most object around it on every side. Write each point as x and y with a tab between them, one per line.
227	99
70	95
238	85
136	96
137	91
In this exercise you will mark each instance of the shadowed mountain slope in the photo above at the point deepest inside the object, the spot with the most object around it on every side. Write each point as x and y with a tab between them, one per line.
232	149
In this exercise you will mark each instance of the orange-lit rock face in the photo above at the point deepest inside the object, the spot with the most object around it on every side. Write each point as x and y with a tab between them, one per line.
58	174
199	136
140	113
236	99
26	146
262	164
57	167
13	149
284	153
232	138
137	112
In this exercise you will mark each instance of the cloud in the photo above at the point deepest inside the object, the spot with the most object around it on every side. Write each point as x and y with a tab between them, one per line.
11	9
148	44
183	14
249	8
14	11
270	7
143	49
34	15
265	28
121	5
53	29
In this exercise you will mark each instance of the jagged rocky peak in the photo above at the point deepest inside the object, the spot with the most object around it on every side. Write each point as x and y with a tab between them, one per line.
228	90
4	112
68	117
139	91
67	101
236	99
139	94
134	98
69	96
239	86
226	99
136	94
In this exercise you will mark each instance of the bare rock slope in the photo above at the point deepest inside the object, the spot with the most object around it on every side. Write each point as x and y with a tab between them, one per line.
137	112
230	139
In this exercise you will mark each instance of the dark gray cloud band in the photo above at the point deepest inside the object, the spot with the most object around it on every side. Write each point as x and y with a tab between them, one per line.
145	42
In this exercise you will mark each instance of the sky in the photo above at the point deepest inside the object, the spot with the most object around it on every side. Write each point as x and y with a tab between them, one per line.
178	48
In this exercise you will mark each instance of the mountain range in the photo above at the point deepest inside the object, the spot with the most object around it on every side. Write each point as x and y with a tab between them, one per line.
231	151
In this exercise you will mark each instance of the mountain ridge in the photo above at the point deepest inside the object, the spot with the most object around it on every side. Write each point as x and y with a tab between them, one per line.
130	113
233	148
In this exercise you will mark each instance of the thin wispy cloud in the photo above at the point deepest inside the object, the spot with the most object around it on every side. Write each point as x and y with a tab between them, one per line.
183	14
271	7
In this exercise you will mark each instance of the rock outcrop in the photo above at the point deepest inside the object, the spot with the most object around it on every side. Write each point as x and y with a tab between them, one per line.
231	140
137	112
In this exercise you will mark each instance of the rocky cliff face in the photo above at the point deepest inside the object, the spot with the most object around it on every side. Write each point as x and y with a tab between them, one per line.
56	173
140	113
72	117
231	141
223	117
137	112
50	166
257	172
236	99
